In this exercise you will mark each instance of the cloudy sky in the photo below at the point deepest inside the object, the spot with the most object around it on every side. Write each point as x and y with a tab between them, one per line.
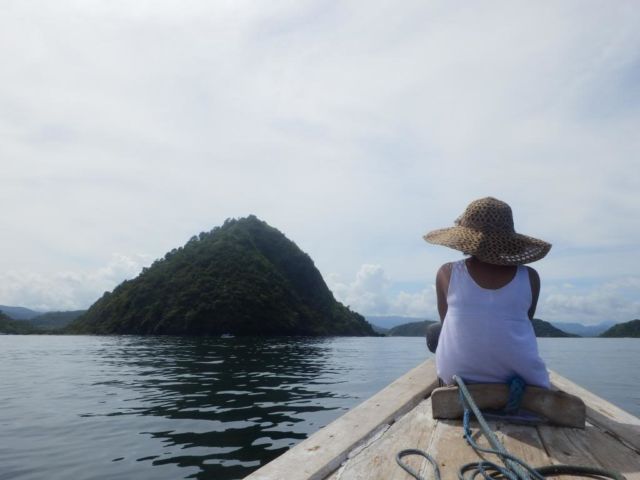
352	126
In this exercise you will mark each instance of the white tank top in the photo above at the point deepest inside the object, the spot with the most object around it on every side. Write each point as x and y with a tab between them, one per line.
487	336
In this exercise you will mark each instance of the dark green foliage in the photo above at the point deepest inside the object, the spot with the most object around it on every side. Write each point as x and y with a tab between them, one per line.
8	325
413	329
545	329
627	329
244	278
418	329
55	320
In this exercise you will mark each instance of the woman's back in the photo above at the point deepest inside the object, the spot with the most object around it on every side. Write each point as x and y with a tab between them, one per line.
487	335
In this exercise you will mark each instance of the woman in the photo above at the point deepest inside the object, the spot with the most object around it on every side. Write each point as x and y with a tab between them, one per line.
486	302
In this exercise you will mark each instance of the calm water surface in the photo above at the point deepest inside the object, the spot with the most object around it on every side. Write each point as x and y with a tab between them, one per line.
208	408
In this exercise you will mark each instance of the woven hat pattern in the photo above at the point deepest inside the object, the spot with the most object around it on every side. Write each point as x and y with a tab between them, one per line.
486	230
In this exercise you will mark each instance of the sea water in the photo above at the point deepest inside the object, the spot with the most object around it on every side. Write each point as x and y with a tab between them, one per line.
89	407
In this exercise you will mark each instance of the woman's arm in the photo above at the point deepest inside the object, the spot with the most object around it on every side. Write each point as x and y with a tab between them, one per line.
534	280
442	288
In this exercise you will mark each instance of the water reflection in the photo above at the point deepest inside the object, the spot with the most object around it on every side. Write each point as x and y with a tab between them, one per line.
238	402
163	408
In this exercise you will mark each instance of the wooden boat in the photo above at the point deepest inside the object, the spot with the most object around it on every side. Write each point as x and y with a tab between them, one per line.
363	443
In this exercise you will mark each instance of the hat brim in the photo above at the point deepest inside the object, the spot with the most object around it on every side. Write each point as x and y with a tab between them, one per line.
498	248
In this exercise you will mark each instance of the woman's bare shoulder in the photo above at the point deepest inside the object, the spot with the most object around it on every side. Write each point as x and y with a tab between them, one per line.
446	268
444	273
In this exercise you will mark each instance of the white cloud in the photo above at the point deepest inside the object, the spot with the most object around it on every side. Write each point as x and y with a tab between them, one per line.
616	301
67	290
367	294
351	126
371	294
421	304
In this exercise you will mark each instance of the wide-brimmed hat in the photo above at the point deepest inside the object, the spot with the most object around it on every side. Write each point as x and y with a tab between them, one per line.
485	230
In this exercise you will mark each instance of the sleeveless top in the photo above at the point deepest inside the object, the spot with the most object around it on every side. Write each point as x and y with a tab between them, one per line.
487	336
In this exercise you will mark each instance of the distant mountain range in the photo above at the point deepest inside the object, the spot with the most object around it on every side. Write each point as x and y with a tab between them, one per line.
55	320
23	320
386	322
412	329
418	329
19	313
583	330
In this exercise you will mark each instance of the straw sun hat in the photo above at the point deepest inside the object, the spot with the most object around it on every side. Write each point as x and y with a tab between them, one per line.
485	230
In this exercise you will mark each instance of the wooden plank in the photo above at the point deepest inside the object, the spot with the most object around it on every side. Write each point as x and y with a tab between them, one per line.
559	408
319	455
524	442
605	415
590	447
451	450
377	461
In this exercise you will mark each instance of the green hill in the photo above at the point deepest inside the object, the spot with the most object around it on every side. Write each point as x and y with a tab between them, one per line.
243	278
412	329
11	326
418	329
627	329
545	329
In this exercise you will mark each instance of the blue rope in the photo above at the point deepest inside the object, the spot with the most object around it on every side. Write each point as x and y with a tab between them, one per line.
514	467
516	392
411	471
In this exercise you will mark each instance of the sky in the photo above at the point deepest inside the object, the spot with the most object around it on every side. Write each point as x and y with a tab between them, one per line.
354	127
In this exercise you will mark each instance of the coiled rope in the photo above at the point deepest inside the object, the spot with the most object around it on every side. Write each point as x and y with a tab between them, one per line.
513	468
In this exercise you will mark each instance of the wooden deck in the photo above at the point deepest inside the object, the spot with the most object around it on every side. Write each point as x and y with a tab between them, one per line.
363	443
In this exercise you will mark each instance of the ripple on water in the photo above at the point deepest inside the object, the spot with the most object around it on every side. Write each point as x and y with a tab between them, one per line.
165	408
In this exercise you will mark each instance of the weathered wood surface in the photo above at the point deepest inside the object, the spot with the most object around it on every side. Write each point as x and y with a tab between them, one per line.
538	446
359	446
590	447
377	458
319	455
604	414
441	439
560	408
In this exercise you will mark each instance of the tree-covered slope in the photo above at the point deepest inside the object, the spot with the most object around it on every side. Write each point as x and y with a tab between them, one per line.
545	329
627	329
412	329
244	278
11	326
418	329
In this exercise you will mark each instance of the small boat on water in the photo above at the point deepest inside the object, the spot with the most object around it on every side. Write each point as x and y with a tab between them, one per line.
363	443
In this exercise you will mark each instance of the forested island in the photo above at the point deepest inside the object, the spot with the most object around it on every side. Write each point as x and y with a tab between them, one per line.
17	327
418	329
627	329
242	278
411	329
